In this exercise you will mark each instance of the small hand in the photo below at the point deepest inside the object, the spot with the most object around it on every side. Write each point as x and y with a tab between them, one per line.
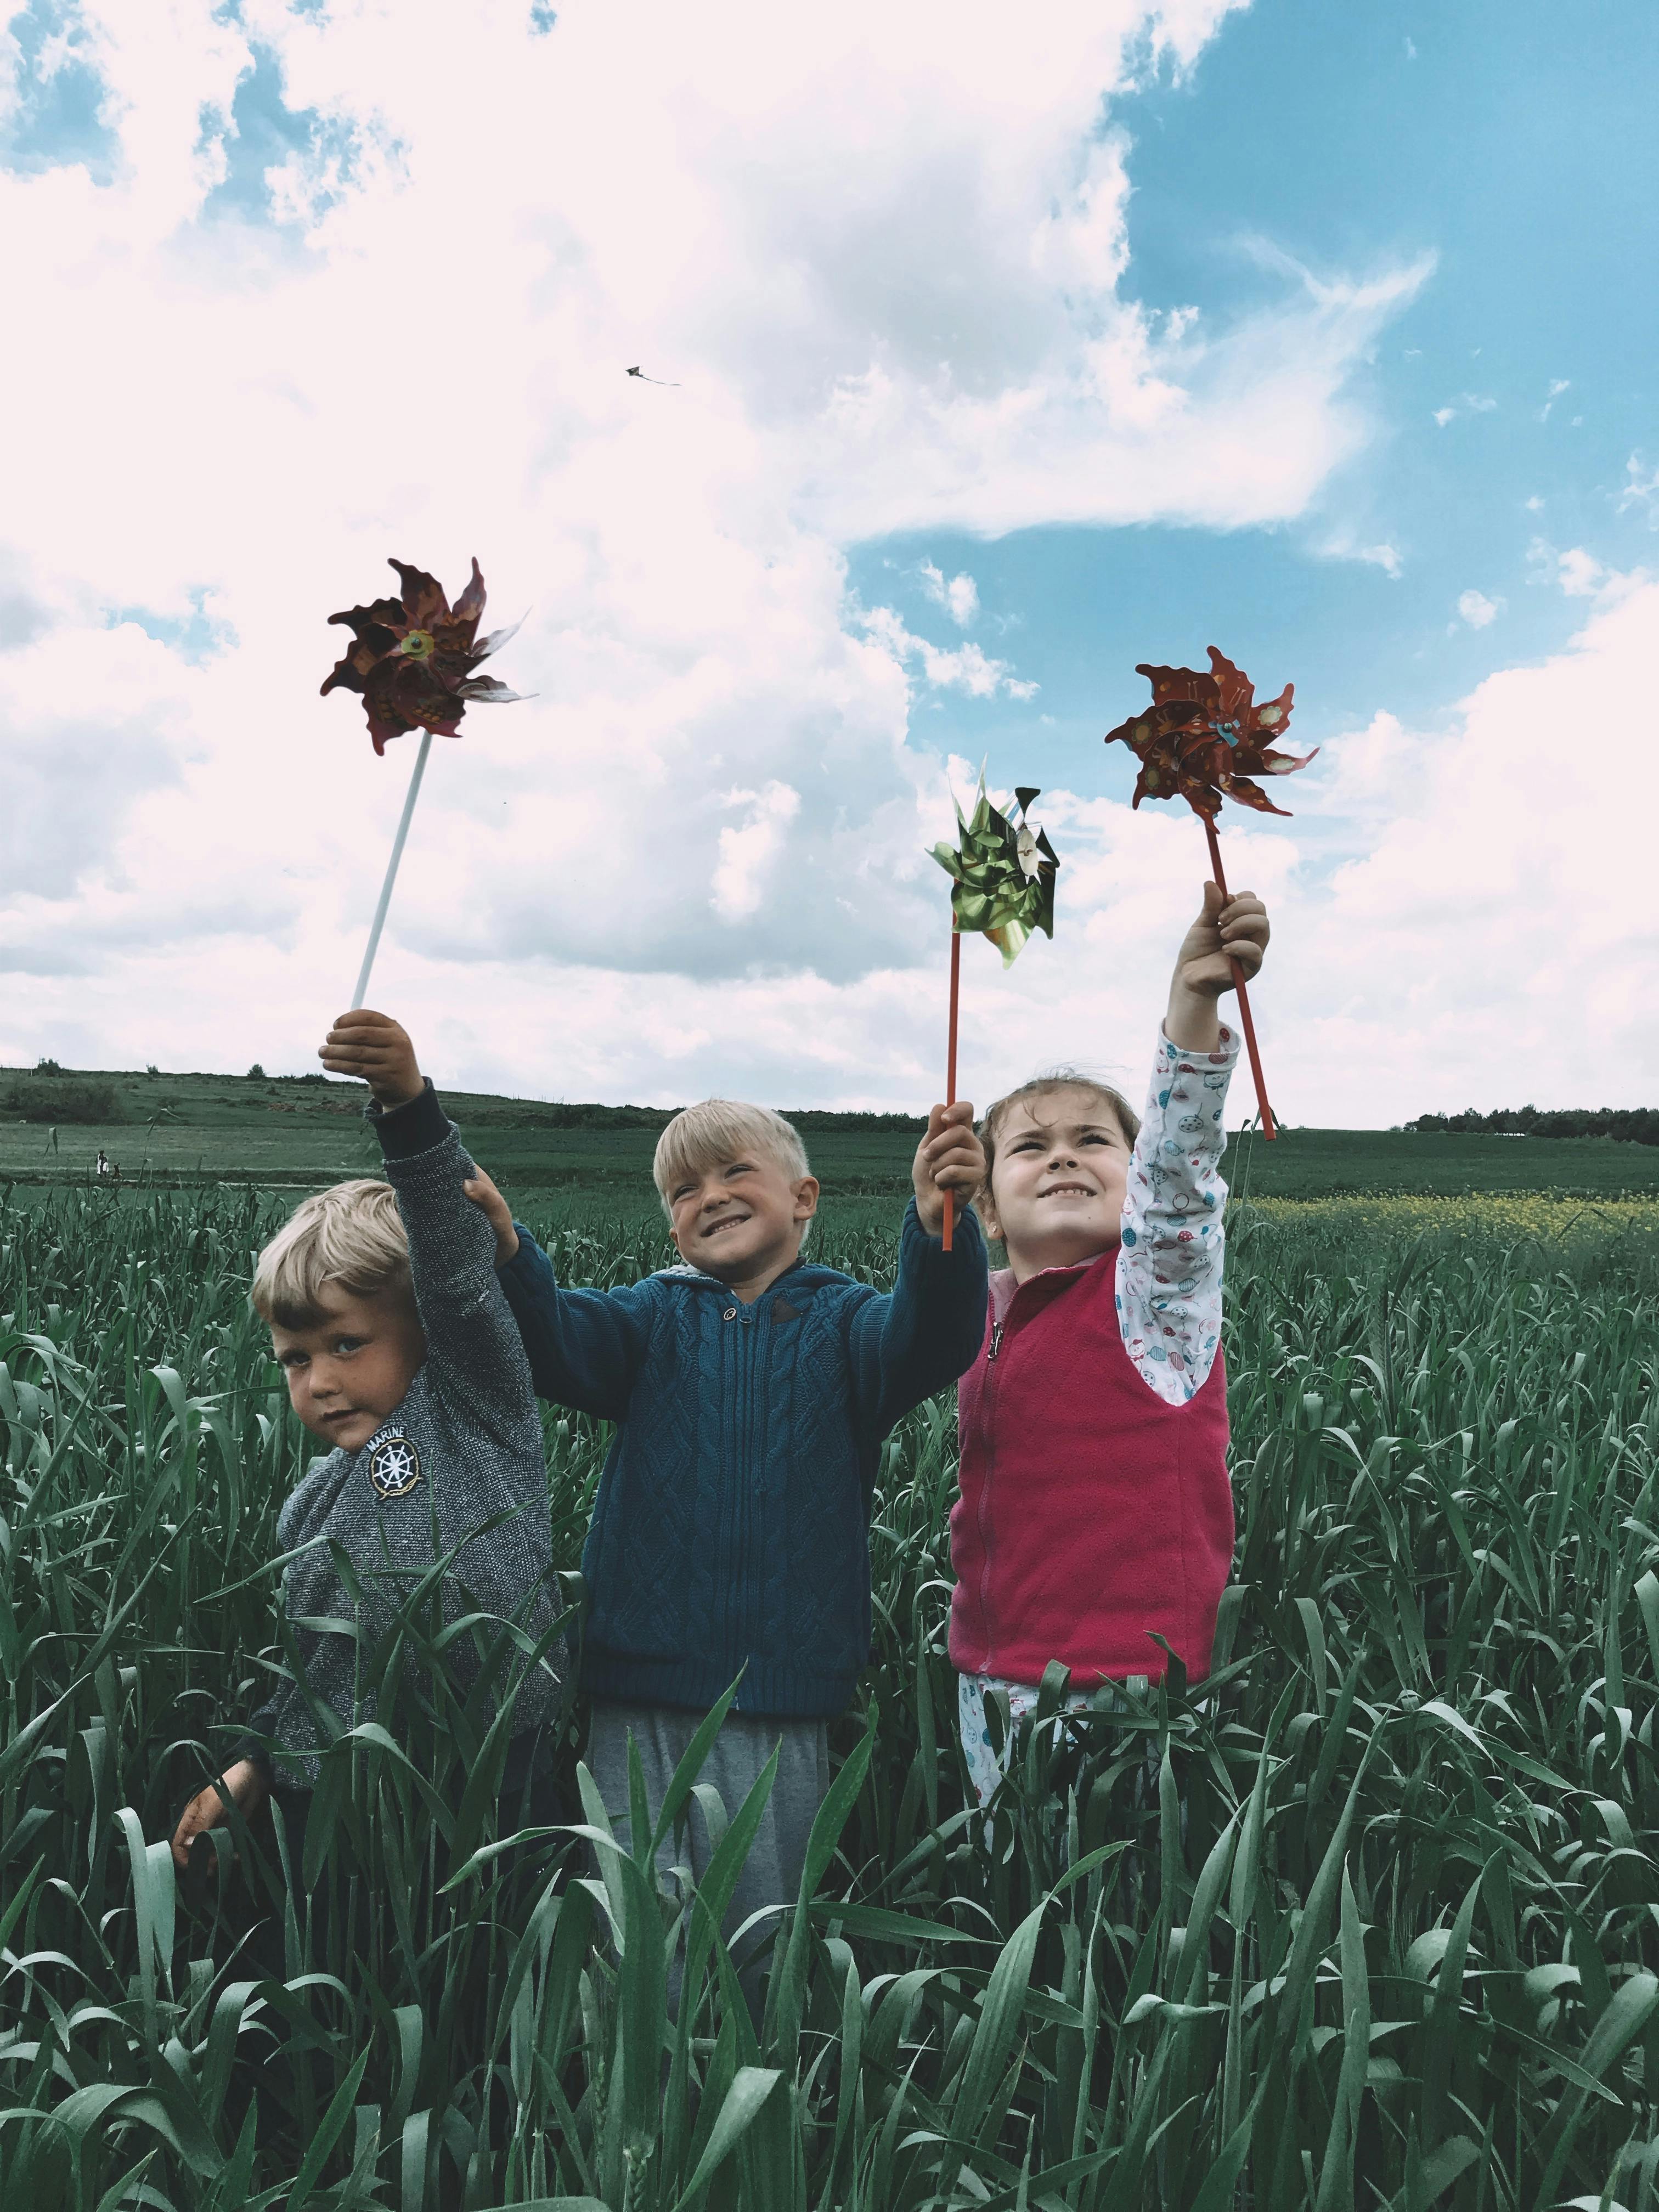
377	1050
949	1158
1227	930
496	1212
246	1788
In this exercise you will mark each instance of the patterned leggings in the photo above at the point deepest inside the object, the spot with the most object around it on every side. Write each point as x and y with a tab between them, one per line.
985	1768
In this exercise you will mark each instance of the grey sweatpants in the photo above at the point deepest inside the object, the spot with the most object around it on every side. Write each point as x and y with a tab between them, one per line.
771	1874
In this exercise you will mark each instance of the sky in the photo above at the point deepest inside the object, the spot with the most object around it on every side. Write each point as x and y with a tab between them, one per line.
1000	351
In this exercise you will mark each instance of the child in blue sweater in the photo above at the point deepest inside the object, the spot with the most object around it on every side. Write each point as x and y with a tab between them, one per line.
751	1390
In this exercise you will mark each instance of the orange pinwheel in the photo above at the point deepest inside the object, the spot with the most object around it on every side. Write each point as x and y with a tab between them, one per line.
1204	738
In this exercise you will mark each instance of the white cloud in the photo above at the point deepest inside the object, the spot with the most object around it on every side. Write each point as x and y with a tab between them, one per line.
1641	491
1492	940
880	256
957	595
967	668
1579	573
748	852
1468	403
1344	546
1557	385
1477	610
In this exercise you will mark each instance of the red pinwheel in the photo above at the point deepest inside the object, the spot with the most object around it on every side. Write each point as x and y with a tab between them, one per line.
413	661
1204	738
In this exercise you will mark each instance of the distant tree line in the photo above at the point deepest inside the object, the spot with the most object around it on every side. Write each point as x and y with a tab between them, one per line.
1629	1125
806	1119
527	1114
813	1117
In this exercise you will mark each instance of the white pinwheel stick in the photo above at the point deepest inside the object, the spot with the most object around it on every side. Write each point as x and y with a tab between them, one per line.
379	923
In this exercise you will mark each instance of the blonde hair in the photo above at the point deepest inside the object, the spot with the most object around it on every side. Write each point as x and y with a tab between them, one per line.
721	1130
1049	1084
351	1235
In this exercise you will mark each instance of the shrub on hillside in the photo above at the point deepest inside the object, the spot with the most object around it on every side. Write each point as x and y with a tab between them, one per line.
67	1098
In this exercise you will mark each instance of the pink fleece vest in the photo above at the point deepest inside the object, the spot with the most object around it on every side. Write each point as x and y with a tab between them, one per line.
1091	1513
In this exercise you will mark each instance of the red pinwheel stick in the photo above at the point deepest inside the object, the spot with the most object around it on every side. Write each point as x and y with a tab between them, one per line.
950	1065
1267	1111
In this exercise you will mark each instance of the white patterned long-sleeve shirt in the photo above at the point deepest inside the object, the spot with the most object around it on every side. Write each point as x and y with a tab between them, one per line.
1168	1263
1169	1301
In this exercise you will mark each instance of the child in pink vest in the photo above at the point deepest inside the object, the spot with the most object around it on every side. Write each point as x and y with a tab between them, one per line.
1095	1507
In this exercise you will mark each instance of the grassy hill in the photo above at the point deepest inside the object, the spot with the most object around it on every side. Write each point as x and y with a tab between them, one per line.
172	1130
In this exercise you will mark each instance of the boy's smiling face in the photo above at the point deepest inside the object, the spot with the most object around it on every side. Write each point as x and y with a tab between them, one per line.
347	1373
1058	1181
741	1220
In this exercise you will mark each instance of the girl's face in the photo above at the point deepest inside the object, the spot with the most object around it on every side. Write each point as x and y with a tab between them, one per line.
1058	1181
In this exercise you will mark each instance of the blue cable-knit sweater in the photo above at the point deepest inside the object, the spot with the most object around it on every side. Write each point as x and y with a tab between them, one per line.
731	1525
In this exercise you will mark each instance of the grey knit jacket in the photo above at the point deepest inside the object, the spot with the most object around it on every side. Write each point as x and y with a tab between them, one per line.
463	1448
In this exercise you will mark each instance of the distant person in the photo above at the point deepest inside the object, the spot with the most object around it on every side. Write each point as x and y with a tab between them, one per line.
1095	1508
102	1162
751	1390
51	1140
400	1355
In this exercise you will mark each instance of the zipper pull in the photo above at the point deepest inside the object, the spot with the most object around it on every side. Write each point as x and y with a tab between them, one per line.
996	1339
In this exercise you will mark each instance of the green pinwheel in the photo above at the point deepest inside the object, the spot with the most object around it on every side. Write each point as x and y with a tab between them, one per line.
1003	877
1003	874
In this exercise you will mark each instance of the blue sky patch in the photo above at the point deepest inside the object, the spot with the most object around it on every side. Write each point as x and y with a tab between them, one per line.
196	637
1510	400
58	119
264	133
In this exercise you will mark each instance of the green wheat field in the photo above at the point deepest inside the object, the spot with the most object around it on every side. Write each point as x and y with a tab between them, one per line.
1370	1919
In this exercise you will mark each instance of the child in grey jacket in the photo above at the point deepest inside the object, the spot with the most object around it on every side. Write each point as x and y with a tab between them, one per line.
401	1355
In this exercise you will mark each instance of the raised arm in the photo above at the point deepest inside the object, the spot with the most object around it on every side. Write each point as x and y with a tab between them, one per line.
584	1346
472	1347
1170	1260
927	1330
